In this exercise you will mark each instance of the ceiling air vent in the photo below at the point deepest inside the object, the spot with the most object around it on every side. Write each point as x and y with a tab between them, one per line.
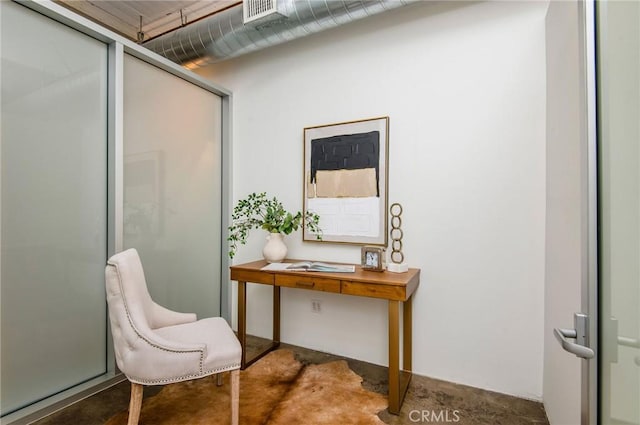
263	10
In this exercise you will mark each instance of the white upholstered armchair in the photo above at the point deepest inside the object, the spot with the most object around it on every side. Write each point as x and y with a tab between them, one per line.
157	346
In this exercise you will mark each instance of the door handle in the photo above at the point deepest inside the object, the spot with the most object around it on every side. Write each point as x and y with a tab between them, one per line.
614	340
579	333
629	342
572	347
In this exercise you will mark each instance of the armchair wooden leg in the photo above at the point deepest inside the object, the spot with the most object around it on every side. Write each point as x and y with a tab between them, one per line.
135	404
235	396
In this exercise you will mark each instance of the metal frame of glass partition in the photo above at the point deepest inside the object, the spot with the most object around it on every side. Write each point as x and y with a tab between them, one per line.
118	46
589	302
590	284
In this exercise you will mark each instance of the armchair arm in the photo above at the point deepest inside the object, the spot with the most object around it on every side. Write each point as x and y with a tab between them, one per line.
158	341
154	360
161	317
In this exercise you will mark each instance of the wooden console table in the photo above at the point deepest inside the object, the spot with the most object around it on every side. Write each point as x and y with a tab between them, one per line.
395	287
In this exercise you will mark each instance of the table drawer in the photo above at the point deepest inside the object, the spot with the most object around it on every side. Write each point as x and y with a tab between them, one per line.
252	276
310	282
389	292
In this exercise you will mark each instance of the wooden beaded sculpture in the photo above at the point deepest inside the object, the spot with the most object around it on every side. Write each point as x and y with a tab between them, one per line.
397	264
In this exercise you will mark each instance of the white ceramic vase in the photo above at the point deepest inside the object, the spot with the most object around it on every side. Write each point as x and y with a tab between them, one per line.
275	250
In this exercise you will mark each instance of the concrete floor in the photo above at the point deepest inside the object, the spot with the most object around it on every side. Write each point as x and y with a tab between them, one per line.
427	400
439	402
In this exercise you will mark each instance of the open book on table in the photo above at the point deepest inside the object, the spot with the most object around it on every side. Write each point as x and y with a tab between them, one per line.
311	266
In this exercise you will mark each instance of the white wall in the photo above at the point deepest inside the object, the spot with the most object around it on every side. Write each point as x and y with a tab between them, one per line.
566	222
464	87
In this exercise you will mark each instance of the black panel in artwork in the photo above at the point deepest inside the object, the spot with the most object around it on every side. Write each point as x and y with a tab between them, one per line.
346	152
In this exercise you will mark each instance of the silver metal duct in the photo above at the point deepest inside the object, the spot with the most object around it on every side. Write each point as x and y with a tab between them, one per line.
223	35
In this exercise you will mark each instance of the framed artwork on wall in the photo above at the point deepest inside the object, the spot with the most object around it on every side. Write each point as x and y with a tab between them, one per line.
345	180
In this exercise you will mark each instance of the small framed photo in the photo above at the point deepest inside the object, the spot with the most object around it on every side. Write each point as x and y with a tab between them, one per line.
372	258
345	180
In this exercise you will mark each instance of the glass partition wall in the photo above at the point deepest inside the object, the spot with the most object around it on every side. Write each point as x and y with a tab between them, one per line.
172	186
54	210
100	151
618	27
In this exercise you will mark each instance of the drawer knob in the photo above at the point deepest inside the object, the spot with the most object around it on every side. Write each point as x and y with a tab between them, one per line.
305	284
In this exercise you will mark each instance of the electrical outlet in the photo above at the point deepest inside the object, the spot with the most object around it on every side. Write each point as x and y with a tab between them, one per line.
316	306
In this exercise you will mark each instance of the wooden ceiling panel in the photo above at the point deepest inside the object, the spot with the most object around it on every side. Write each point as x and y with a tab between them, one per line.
158	16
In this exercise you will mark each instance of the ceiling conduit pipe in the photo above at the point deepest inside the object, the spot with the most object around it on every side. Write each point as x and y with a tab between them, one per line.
224	35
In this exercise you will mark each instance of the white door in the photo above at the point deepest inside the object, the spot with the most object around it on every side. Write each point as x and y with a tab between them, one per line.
567	271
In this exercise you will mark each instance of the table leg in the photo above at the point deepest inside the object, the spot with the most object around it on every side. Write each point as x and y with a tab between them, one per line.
242	325
394	358
407	349
242	321
407	335
399	378
276	314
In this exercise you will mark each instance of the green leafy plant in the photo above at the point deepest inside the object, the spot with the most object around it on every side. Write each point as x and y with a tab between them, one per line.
257	211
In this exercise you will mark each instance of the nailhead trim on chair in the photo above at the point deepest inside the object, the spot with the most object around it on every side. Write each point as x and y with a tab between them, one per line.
184	377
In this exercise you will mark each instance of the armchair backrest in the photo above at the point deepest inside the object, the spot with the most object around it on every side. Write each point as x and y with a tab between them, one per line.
129	302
